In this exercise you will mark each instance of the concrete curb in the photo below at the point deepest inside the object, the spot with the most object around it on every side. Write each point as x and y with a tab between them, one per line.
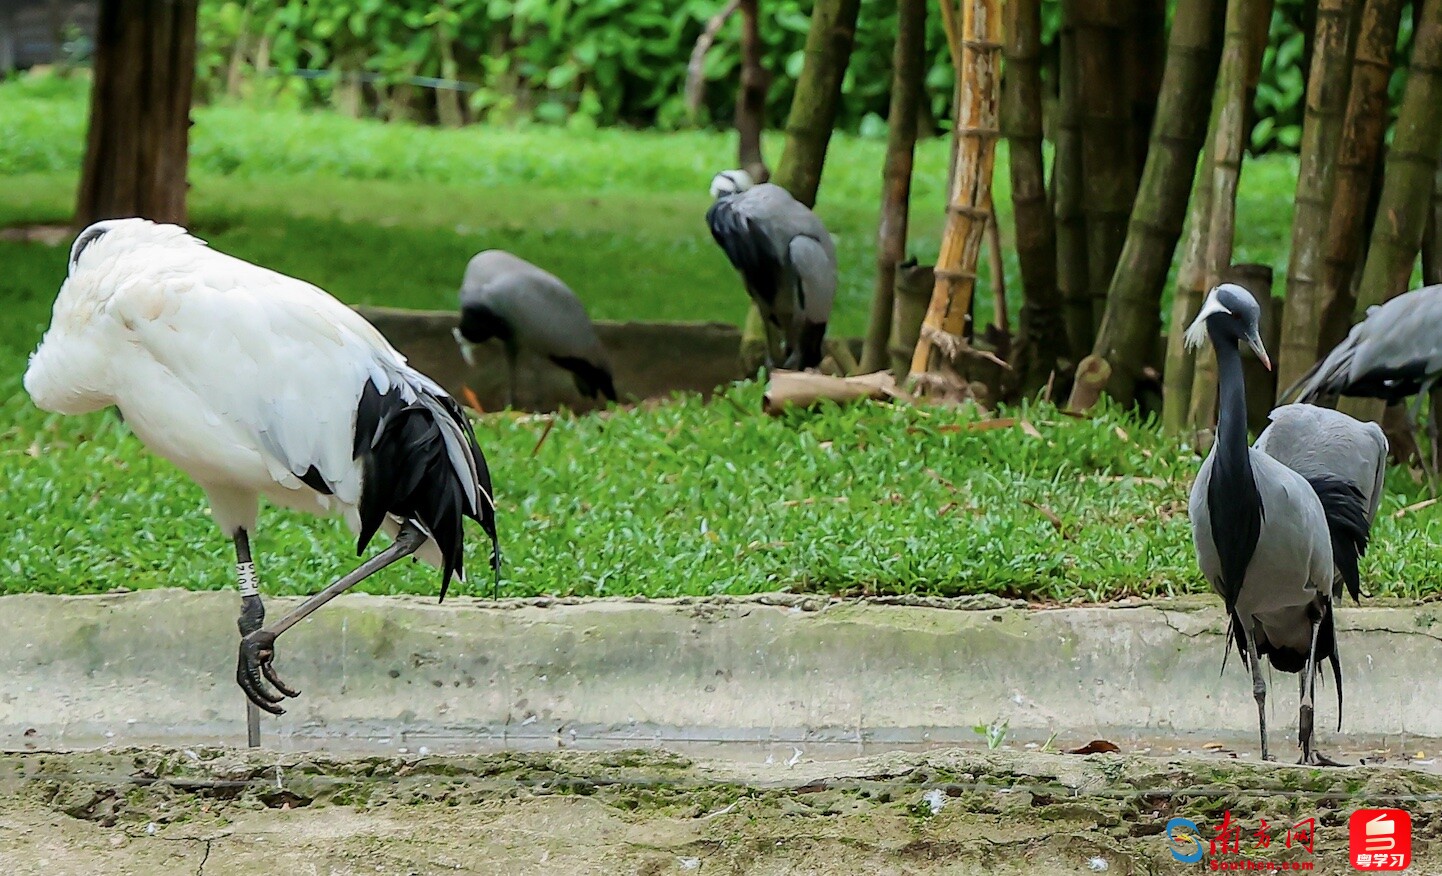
157	665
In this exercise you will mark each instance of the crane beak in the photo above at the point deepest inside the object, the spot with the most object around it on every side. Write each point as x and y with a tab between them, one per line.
1255	342
465	346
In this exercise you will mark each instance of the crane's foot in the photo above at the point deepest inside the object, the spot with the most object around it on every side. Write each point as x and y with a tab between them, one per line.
1317	758
257	657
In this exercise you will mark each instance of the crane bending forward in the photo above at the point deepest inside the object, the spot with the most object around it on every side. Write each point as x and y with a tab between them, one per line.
257	384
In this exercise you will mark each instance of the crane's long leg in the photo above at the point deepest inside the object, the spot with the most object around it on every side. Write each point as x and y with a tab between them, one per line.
1259	689
252	617
257	647
512	357
1305	732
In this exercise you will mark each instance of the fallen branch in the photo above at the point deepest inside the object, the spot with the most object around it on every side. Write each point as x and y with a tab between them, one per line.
787	389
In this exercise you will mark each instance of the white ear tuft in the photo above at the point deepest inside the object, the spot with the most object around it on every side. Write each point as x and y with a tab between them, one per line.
1197	332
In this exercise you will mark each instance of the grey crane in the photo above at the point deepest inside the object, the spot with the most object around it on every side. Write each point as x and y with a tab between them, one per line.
530	310
785	257
1394	353
1277	544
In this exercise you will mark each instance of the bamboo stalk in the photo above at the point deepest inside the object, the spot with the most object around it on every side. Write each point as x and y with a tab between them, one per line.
1432	237
1042	341
1411	168
1107	176
1227	148
976	134
1067	197
1326	105
1357	161
1180	365
906	90
1133	313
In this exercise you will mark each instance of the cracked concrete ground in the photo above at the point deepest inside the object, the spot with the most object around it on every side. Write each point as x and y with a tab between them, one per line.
219	811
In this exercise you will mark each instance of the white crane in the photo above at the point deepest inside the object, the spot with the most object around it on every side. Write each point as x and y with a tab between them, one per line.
257	384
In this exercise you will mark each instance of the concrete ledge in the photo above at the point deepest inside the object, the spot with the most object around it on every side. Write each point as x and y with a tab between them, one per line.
159	665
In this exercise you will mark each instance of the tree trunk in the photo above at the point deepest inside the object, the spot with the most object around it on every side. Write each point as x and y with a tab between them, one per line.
1227	149
450	103
1107	178
976	133
818	91
1431	244
812	117
1411	168
1042	343
1327	93
1357	161
912	295
1133	314
751	100
136	146
1067	196
907	66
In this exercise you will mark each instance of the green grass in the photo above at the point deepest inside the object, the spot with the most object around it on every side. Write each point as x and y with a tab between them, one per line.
671	499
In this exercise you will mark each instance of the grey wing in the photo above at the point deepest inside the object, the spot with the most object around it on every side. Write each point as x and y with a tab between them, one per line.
1315	441
1401	335
1294	553
816	271
1208	560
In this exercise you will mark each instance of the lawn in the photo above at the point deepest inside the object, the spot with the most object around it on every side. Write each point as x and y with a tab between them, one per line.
669	499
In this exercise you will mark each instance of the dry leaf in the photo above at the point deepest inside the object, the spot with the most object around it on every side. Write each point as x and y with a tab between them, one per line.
1097	746
1121	433
1048	514
1029	429
471	399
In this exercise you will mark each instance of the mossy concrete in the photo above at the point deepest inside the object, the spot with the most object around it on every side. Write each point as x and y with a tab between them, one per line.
220	811
159	665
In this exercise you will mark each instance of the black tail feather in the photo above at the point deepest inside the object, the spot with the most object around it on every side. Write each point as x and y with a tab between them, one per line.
1347	523
592	380
410	474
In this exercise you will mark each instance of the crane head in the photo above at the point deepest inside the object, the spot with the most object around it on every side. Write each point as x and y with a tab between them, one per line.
730	182
1231	314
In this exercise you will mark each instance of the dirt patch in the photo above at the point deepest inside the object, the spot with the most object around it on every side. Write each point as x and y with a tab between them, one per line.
48	235
217	811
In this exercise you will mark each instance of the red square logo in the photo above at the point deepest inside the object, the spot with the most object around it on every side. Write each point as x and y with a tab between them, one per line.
1380	839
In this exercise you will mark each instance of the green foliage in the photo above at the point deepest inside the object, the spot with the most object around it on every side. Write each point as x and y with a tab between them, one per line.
609	62
606	61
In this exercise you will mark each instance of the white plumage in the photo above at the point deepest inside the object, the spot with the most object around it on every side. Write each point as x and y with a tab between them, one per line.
258	384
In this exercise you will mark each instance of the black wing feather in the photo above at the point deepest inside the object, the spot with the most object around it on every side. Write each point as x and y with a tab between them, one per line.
749	250
1348	526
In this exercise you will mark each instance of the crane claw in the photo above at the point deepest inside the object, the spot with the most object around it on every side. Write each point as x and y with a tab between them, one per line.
257	656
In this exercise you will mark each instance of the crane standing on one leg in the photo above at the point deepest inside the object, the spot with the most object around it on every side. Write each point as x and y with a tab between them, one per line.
257	384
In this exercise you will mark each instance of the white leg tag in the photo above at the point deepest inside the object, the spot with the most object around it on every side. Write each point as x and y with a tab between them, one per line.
245	573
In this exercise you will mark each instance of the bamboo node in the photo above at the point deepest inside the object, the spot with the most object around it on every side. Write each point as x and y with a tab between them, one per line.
950	274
